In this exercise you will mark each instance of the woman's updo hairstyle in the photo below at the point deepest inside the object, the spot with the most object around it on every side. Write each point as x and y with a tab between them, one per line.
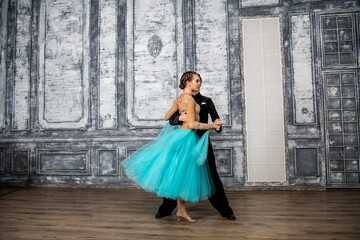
187	76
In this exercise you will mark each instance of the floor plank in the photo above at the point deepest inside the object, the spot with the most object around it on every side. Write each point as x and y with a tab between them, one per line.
51	213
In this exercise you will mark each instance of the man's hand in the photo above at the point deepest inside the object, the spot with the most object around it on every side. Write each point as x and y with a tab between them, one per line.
183	117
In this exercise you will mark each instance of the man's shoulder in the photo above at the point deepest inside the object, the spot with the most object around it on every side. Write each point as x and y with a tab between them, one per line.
204	98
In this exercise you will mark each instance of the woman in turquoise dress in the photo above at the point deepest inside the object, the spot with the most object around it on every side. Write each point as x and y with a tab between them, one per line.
174	164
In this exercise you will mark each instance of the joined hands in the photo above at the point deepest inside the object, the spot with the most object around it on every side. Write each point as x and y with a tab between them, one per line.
217	124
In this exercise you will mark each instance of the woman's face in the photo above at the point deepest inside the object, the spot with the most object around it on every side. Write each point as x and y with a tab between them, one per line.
195	83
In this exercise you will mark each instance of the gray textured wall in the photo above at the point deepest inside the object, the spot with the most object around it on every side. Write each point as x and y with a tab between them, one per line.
85	83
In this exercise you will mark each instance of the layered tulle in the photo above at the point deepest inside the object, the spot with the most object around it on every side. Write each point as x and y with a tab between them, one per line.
173	165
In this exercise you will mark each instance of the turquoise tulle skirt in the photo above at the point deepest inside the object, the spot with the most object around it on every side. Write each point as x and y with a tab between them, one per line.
173	165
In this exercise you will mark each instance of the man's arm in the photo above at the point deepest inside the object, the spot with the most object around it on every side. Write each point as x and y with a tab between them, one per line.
213	113
174	119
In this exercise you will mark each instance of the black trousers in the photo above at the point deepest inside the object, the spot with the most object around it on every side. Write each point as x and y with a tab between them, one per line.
218	199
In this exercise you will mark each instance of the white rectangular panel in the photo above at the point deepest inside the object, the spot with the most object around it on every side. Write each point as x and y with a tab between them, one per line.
263	88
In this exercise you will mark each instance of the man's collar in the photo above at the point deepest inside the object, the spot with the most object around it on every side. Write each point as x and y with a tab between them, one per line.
197	96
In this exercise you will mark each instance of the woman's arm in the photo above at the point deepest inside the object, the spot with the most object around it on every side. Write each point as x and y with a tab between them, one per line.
191	116
172	110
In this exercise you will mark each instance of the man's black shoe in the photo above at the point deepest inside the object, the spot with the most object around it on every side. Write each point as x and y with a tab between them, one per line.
161	215
230	216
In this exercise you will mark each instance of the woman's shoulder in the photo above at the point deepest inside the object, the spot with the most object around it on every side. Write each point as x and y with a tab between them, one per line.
190	98
186	96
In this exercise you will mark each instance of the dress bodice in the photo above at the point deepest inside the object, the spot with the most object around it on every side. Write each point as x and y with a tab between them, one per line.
186	103
184	108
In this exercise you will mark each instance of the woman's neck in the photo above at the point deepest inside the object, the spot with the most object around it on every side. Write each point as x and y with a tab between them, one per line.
188	91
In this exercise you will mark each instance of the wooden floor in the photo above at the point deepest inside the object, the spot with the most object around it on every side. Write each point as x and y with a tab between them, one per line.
50	213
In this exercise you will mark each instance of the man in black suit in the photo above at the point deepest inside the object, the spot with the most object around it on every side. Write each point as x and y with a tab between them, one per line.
218	200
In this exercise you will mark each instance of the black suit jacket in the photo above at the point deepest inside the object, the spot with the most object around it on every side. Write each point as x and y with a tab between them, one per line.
206	107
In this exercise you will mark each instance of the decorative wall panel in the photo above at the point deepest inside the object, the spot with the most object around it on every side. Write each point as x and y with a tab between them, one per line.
21	95
342	126
85	83
224	161
211	53
3	30
306	162
127	153
61	162
63	90
108	163
305	1
20	162
302	65
256	3
107	61
228	160
154	59
338	40
2	161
